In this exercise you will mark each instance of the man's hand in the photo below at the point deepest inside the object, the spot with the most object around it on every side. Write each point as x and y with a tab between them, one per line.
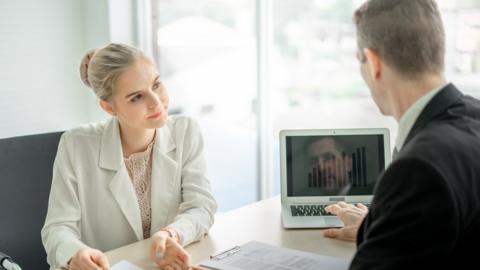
351	216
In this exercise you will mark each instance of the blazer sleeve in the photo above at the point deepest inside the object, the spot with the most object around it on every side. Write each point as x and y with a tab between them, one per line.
198	206
413	219
61	232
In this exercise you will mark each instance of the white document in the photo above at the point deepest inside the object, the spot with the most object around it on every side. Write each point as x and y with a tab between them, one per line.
125	265
259	256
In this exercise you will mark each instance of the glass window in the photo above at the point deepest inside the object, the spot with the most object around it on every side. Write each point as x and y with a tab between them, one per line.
206	53
317	80
462	30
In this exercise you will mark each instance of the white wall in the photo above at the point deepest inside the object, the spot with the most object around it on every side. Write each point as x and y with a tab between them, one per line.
41	44
96	34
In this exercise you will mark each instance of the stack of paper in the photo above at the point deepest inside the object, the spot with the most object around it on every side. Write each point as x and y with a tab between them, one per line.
259	256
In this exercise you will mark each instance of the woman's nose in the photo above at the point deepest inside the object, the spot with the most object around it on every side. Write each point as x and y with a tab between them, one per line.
153	101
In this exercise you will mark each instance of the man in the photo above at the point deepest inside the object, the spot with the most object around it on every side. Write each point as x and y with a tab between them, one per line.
426	207
329	163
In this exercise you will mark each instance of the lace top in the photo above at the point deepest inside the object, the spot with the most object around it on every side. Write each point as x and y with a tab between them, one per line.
139	166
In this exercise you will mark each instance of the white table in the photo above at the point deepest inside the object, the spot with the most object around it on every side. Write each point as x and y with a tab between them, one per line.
260	221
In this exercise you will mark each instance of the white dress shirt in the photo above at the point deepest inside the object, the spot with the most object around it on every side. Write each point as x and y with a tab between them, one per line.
93	202
410	116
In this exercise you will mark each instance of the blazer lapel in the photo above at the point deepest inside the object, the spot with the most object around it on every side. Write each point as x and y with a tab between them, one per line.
111	158
126	198
164	170
439	103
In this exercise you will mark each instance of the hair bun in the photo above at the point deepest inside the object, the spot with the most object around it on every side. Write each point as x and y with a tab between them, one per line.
84	66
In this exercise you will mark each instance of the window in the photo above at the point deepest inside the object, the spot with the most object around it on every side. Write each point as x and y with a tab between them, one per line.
206	53
462	26
319	82
208	56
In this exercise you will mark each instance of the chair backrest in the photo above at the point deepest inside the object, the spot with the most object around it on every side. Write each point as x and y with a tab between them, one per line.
25	178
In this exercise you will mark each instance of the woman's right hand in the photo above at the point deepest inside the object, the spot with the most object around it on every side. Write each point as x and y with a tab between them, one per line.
89	259
167	253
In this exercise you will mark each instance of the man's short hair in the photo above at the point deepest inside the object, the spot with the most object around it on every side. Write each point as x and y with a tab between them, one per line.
407	34
340	144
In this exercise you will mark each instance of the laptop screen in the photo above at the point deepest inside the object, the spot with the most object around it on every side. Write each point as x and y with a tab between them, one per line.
333	165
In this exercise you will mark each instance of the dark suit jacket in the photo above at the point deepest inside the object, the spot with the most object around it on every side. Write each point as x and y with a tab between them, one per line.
426	210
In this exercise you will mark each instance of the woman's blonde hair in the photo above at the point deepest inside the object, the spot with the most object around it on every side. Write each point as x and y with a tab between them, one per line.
100	68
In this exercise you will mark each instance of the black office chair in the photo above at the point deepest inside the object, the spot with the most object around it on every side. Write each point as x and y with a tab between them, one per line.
25	178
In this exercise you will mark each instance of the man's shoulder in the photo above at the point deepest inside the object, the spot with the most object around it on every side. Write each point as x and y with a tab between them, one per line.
472	102
454	128
440	139
449	149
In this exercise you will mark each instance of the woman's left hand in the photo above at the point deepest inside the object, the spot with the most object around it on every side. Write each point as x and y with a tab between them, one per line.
167	253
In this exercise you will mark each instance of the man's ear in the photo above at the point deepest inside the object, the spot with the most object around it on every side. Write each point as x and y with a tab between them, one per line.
374	63
107	107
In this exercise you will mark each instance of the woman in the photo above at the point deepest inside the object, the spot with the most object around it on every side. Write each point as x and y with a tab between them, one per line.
140	174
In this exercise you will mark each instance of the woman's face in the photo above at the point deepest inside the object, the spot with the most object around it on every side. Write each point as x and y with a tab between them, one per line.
141	100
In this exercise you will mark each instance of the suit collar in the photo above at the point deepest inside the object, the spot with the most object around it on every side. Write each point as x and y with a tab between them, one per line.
126	198
164	140
411	115
164	175
164	171
437	105
111	154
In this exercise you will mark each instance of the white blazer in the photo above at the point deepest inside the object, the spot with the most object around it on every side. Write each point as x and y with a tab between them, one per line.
93	202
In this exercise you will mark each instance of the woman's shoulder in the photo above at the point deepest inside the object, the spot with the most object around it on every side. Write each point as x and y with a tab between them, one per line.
181	122
86	131
182	128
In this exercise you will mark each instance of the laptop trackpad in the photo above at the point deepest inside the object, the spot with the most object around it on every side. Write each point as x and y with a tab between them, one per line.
312	222
333	222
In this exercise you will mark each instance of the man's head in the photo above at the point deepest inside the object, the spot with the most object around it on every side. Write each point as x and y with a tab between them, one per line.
329	156
402	37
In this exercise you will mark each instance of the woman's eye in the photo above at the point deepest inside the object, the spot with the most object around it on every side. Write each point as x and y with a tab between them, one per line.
136	98
156	85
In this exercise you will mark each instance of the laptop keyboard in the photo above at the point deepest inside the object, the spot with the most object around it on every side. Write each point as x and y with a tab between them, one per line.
311	210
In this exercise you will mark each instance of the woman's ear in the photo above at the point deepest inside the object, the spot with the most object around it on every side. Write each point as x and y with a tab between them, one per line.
107	107
374	63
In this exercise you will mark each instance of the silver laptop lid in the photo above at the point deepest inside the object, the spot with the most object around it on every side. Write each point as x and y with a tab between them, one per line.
330	165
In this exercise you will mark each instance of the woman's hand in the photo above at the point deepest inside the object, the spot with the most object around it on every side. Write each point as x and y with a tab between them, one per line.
167	253
351	216
89	259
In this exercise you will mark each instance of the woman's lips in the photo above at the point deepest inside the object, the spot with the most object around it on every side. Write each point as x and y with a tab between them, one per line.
158	114
155	115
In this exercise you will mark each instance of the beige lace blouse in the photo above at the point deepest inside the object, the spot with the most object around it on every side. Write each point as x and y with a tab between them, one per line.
139	166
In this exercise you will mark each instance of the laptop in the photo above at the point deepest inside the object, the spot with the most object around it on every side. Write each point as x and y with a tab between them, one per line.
324	166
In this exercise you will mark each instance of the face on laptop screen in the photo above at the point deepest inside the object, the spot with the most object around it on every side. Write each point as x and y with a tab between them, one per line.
333	165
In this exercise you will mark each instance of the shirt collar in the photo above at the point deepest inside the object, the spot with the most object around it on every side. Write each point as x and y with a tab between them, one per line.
410	116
